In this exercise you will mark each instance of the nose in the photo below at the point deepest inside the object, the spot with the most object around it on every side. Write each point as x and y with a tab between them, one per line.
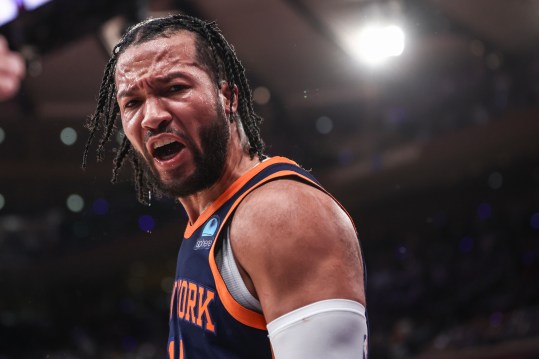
156	115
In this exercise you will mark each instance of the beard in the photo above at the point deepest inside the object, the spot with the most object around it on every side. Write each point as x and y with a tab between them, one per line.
209	161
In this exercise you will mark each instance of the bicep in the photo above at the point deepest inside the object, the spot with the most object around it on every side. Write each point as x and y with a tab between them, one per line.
297	247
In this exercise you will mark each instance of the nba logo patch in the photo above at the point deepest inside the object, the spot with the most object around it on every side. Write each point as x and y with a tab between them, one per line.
208	232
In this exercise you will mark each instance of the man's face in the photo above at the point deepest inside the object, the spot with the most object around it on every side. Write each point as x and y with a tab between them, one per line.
173	113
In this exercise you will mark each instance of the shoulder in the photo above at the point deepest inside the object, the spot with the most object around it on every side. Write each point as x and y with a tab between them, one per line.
293	240
287	194
288	206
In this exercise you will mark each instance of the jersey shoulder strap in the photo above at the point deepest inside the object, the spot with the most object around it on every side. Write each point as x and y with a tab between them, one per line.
267	170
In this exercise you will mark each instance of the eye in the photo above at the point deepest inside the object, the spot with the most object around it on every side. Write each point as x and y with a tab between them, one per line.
176	88
131	103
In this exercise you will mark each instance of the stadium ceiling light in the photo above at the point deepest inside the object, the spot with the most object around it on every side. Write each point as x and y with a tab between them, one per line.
375	43
32	4
8	11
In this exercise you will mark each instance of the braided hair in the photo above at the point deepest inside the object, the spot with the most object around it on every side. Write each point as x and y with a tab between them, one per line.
213	52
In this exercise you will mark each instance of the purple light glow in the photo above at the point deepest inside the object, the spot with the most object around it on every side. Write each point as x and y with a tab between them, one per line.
484	211
534	220
100	206
466	244
146	223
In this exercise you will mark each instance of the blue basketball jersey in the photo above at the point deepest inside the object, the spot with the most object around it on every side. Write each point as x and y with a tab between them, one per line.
205	320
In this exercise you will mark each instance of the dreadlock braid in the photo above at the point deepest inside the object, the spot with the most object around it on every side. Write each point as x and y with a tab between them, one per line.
140	187
213	52
93	123
125	147
252	130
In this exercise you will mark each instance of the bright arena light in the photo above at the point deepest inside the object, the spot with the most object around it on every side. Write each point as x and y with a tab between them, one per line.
375	43
8	11
32	4
75	203
68	136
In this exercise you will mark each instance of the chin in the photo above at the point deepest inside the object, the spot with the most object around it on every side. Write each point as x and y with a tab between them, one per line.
180	186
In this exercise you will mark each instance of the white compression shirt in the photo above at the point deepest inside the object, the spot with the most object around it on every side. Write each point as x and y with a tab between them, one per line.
231	276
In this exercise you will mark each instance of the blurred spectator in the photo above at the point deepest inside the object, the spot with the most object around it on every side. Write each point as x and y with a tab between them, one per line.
12	70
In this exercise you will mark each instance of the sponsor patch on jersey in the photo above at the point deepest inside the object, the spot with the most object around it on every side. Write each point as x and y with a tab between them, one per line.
208	232
211	227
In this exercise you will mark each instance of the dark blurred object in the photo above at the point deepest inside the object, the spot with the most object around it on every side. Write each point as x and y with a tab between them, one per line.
59	22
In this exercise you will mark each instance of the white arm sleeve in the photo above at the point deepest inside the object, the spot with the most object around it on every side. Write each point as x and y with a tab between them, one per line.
334	328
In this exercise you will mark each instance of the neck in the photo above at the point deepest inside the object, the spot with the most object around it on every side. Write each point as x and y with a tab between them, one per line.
235	167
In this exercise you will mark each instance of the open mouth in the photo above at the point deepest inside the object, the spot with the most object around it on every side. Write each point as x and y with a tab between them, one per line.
166	149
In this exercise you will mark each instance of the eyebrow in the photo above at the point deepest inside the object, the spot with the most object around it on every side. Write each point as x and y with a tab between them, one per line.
160	79
171	76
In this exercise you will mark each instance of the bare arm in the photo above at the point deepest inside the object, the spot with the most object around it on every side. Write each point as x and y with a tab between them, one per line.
295	246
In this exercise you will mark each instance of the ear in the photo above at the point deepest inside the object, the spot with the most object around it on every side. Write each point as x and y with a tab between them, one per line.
226	95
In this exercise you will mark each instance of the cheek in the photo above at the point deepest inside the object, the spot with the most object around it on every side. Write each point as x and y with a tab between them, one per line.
132	133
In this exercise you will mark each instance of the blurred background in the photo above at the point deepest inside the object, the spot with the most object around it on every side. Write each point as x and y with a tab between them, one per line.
420	116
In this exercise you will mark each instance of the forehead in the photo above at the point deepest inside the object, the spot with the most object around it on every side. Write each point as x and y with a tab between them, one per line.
158	54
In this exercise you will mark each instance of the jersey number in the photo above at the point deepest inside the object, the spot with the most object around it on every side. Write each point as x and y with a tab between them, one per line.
171	350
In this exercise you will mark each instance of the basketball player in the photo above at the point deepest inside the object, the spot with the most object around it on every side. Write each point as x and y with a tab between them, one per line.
270	264
11	71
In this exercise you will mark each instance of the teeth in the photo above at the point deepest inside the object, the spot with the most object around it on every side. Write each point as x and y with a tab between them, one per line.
161	143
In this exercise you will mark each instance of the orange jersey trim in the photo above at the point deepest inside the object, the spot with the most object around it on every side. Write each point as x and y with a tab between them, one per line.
226	195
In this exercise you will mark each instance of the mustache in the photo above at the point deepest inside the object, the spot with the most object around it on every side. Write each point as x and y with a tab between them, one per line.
182	135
